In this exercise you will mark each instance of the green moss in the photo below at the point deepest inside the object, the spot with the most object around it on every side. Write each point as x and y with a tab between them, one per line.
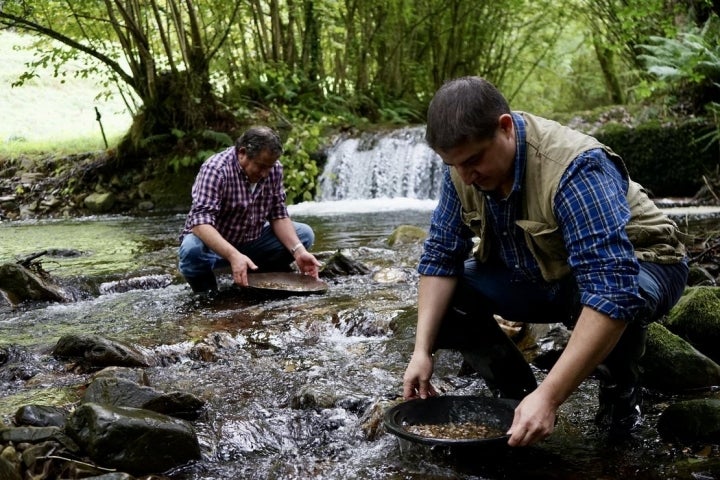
669	159
696	318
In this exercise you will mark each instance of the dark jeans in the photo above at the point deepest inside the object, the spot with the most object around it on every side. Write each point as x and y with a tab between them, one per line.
486	289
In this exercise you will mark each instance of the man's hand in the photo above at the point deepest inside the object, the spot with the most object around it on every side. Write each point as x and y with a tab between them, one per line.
534	420
240	264
307	263
416	381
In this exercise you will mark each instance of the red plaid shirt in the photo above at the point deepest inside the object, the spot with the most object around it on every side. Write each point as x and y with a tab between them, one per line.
221	197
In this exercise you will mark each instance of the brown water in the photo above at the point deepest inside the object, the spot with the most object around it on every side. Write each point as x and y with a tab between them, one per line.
294	380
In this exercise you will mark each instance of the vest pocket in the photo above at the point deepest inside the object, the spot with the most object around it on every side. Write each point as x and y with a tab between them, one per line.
547	240
474	220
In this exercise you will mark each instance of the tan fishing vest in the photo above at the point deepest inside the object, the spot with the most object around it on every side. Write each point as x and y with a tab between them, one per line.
550	149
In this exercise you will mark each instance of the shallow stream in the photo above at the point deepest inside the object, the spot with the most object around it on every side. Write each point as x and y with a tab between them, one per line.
292	382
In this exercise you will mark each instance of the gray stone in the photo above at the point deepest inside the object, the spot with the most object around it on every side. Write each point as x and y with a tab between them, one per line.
99	202
101	352
20	284
133	440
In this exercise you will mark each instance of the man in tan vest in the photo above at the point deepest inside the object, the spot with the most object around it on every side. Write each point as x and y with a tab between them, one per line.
539	223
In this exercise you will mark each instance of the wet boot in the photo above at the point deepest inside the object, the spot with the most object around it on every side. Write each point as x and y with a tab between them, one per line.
485	347
206	283
619	408
620	394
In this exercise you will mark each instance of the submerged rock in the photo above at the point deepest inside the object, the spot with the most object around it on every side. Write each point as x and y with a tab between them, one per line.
133	440
98	351
339	264
126	393
20	284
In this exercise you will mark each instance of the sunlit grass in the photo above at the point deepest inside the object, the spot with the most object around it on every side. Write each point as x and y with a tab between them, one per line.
14	149
50	114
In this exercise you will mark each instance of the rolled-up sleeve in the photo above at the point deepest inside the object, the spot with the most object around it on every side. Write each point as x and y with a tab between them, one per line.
207	196
592	211
449	240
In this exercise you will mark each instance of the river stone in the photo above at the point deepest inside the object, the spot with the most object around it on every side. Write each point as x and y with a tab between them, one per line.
29	434
314	397
8	470
40	416
133	440
99	202
407	234
17	364
125	393
19	284
136	375
698	276
691	421
673	365
101	352
339	264
696	318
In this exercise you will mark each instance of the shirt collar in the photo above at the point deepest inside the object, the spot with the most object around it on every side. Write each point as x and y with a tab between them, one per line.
520	151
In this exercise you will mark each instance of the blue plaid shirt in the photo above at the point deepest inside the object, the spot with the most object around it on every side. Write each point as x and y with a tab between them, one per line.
591	209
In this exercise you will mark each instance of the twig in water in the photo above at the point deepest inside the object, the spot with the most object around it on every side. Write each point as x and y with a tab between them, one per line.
58	457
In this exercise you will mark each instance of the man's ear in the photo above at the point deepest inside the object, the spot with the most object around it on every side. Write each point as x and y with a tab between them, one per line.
505	122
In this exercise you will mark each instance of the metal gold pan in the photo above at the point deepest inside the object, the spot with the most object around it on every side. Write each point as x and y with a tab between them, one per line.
286	283
496	413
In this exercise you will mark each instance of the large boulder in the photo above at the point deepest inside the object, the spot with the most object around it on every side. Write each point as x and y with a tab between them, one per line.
691	421
671	364
696	318
133	440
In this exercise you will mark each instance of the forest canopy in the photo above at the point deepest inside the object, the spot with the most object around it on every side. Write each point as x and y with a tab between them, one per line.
194	72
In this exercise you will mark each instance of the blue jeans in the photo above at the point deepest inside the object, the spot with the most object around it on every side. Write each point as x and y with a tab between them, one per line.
486	289
197	261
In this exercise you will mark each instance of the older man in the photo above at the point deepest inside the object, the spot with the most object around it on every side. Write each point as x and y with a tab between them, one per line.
239	217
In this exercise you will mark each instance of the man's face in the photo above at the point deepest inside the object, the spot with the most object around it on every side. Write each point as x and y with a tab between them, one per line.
258	167
487	164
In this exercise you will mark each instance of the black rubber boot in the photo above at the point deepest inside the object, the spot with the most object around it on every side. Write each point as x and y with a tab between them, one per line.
485	347
620	395
203	283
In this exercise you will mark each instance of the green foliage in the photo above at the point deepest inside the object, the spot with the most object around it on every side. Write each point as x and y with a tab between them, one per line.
300	169
687	67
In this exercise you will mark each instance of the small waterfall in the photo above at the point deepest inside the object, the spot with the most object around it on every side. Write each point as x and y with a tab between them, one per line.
396	164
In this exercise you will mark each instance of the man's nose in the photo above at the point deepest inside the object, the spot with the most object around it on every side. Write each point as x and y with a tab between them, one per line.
467	174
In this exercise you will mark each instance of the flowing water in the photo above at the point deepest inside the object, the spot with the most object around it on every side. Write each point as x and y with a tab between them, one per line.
293	385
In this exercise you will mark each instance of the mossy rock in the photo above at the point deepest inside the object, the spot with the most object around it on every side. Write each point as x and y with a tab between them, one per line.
696	318
407	234
671	364
691	421
170	193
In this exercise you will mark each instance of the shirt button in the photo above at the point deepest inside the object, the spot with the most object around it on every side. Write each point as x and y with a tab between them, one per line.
517	266
505	234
